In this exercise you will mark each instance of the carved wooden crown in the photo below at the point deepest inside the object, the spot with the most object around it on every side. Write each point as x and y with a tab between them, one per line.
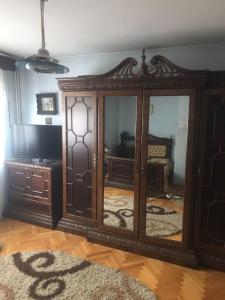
160	74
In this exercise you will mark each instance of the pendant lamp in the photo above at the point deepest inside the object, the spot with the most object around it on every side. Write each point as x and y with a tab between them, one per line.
42	62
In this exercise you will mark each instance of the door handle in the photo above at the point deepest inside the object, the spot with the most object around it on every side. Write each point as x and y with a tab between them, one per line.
142	168
94	161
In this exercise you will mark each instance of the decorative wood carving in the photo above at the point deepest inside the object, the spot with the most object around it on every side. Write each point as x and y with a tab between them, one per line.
212	261
162	67
71	226
212	192
28	180
80	151
160	74
123	71
161	77
180	256
28	165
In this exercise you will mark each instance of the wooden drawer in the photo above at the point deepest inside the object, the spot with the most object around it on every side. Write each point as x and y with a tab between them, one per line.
30	181
31	205
120	172
34	192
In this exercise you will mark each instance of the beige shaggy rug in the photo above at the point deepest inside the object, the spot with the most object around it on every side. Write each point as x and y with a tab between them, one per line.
160	221
56	275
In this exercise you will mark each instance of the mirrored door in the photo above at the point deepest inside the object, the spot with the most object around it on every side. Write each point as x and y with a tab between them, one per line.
164	161
119	161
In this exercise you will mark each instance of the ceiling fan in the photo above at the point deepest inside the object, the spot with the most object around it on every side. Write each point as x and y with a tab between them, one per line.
42	62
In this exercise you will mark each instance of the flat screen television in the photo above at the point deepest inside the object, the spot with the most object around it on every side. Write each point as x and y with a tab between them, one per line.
43	142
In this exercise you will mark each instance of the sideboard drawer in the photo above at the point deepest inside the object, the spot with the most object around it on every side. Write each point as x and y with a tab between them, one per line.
34	192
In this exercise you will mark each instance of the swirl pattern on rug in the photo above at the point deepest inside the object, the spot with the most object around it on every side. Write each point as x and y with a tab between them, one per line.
55	275
160	221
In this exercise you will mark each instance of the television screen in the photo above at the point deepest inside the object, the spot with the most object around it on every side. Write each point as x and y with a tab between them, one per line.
37	141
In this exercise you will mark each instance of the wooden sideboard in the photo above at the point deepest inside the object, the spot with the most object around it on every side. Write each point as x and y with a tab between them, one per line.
120	174
155	179
34	192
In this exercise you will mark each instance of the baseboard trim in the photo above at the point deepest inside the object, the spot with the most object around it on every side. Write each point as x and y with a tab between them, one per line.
212	261
173	255
31	217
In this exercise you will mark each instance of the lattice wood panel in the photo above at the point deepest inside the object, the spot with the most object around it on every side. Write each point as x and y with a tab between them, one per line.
79	148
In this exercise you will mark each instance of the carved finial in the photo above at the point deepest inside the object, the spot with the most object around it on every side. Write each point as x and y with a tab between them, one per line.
143	56
144	67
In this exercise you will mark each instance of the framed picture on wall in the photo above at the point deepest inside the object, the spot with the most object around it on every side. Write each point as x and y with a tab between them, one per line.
46	104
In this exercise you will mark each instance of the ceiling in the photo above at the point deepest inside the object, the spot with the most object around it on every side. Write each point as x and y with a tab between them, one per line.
92	26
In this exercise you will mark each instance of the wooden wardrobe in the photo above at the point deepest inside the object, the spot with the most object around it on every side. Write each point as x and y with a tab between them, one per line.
144	160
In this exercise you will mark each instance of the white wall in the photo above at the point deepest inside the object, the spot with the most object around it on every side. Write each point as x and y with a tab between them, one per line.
210	57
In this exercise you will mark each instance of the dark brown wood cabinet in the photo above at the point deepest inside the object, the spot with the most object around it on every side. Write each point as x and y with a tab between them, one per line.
155	179
210	224
120	172
79	157
34	192
125	202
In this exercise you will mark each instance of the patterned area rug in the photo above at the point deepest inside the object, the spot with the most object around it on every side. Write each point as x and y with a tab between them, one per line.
55	275
160	221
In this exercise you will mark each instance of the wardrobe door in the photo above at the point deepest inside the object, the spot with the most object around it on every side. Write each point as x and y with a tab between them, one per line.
167	158
119	161
210	219
79	155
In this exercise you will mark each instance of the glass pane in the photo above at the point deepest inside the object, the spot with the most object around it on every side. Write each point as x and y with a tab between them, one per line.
119	159
166	162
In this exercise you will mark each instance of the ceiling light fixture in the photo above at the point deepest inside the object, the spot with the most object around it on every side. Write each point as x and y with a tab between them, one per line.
42	62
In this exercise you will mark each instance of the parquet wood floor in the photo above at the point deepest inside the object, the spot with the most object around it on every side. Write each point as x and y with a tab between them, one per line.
168	281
